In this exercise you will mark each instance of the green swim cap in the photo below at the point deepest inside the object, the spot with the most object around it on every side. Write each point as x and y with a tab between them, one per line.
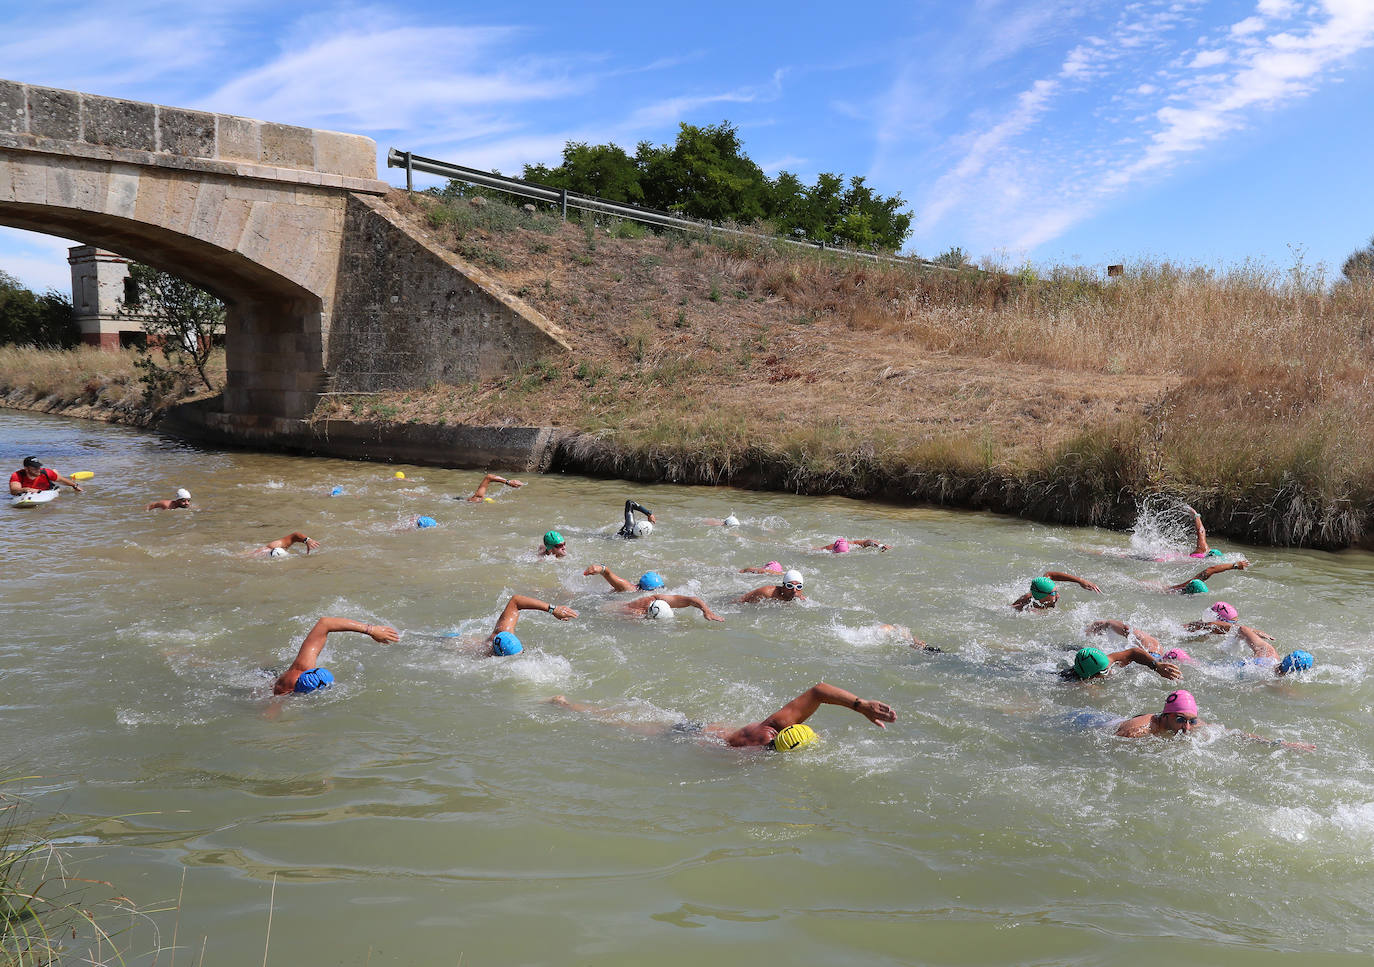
1213	552
552	539
1042	588
1090	661
1195	587
795	737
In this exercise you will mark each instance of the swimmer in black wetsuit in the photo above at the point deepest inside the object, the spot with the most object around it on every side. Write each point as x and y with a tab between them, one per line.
627	529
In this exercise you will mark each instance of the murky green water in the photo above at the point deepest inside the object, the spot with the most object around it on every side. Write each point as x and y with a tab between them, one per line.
432	808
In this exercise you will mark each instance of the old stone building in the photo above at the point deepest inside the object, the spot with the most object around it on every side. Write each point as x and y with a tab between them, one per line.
100	282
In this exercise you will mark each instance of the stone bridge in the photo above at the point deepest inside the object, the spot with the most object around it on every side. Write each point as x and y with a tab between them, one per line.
326	287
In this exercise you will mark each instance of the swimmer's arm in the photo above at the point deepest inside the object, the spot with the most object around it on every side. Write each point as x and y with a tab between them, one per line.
866	542
758	594
523	602
1305	746
1020	603
804	706
58	478
1097	627
1257	633
1211	627
613	579
687	601
759	569
1073	579
1140	656
1201	546
298	538
309	654
1134	728
1207	572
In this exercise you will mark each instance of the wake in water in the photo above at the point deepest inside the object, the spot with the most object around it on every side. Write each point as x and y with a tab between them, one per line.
1163	528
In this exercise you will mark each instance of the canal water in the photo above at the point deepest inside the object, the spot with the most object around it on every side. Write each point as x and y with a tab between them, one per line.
433	807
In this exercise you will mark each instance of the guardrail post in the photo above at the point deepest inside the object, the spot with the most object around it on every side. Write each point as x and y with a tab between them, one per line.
410	178
563	198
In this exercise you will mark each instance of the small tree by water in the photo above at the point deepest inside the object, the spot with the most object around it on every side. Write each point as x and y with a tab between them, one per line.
181	322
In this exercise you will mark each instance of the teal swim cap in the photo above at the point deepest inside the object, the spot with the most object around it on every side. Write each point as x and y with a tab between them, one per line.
1195	587
1041	588
1213	552
552	539
1090	661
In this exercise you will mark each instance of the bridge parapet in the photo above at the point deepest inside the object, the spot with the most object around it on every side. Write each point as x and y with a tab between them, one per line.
108	128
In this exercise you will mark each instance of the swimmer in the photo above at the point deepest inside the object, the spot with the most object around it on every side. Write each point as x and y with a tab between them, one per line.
1095	663
902	631
729	521
841	545
779	731
284	544
641	605
1201	548
1180	714
1264	654
180	502
1198	584
554	545
772	567
789	590
33	477
630	529
1043	594
303	675
1226	621
502	641
648	581
417	523
480	494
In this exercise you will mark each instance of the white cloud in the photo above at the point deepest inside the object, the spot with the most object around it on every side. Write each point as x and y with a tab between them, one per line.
1209	58
1249	25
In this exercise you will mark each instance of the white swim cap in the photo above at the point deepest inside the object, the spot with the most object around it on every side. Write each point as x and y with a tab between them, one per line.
643	528
659	608
183	494
731	521
793	577
279	552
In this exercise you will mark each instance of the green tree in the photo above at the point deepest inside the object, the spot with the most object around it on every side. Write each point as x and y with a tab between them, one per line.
1359	265
37	320
602	170
703	174
181	321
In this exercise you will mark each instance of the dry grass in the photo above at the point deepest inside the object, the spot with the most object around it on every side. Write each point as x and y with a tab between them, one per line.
101	380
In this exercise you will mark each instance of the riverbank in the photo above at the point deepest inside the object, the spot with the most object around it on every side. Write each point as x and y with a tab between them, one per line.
1061	397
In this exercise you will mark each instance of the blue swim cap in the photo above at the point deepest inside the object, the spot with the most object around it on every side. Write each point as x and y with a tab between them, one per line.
650	581
336	492
1195	587
313	679
505	644
1296	661
426	522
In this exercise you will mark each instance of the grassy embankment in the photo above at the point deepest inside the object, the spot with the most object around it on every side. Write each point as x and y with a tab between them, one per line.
1058	396
1061	396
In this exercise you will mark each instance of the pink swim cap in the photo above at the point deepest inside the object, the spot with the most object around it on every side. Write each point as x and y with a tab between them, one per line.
773	566
1177	654
1181	701
841	546
1225	612
1197	554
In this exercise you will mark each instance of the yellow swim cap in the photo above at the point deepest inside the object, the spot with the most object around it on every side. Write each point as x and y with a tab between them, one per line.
794	737
489	500
399	475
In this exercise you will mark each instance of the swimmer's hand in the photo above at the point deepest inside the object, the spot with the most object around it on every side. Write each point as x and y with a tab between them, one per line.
884	547
653	519
593	569
383	635
515	483
564	613
879	713
1304	746
311	545
710	615
1240	565
1089	586
1168	670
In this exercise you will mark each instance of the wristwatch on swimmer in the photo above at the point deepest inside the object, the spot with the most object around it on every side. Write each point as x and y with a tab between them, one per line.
551	607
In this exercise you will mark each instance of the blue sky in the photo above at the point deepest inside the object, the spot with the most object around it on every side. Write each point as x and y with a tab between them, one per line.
1049	130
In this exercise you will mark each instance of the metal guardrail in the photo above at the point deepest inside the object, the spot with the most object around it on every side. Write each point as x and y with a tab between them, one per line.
565	199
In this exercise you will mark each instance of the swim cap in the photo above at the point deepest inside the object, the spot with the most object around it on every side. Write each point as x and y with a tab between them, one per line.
183	494
793	577
426	522
841	546
1194	587
658	608
1041	588
313	679
643	528
1296	661
278	552
1224	611
1181	701
1090	661
399	475
488	500
336	492
731	521
1177	654
1213	552
552	539
650	581
505	644
795	737
773	567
